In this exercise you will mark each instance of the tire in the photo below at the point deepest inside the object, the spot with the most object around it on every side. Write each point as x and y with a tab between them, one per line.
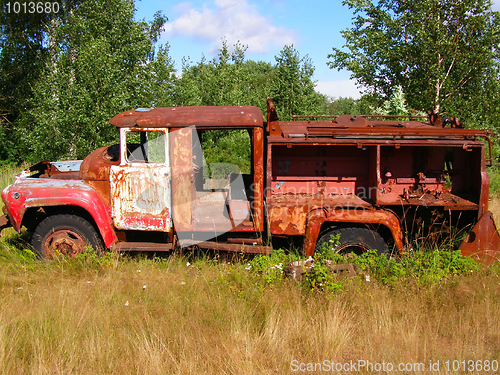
353	241
66	235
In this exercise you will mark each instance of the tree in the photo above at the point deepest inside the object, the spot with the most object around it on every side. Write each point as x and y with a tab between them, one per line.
437	51
228	79
344	106
98	64
292	88
161	81
22	56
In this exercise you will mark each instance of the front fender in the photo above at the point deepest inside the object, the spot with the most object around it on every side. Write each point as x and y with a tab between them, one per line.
27	193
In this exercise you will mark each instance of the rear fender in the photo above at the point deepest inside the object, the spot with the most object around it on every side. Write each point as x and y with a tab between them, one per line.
28	193
482	242
360	216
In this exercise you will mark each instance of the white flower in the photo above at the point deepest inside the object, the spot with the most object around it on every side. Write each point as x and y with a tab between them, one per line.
248	267
367	278
144	287
138	271
188	264
183	283
126	303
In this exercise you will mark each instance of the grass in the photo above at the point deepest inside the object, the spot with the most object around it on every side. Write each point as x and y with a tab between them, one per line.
7	174
177	315
196	315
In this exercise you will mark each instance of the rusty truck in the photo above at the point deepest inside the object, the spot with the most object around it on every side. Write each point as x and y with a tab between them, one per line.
372	183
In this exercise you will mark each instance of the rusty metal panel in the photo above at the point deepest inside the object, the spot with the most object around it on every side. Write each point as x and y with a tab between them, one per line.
141	197
183	194
288	214
140	191
258	186
483	241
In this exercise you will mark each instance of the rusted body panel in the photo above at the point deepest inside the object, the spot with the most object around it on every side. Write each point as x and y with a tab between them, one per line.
183	192
141	198
288	214
140	188
43	192
258	184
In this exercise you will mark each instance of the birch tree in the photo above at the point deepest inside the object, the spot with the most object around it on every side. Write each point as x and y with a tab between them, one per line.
440	52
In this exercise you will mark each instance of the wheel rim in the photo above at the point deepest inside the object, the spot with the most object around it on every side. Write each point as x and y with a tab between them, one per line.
64	242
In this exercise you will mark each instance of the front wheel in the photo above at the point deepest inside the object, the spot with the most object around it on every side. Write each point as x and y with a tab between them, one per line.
351	241
66	235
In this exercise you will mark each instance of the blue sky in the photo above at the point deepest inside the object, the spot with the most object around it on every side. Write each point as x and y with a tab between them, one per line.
197	27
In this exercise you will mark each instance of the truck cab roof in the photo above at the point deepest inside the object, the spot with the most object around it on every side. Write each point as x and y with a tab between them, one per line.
201	117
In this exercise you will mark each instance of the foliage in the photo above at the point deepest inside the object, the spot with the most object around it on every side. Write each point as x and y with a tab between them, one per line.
64	75
98	57
442	53
228	79
396	105
22	56
292	88
160	83
345	106
425	266
271	267
227	151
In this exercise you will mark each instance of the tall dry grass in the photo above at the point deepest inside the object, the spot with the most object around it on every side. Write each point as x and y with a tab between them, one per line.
221	319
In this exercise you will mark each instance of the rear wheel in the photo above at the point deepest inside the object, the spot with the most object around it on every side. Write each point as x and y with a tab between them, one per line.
66	235
351	241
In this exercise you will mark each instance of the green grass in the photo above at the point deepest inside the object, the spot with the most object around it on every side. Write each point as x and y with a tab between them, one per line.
494	174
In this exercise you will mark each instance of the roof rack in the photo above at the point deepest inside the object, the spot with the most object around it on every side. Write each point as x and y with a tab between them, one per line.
410	117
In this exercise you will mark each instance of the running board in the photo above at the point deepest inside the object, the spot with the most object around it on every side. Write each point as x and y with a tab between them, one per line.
233	247
141	246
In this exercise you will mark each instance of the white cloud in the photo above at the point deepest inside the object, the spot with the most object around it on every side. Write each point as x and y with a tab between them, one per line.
336	89
233	20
